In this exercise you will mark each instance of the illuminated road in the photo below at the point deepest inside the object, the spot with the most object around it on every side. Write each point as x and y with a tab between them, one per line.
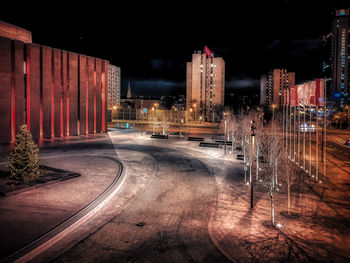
184	203
164	220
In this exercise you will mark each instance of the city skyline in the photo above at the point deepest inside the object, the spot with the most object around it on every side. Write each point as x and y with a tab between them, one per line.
152	47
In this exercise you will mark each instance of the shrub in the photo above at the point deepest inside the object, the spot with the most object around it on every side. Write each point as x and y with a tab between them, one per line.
24	158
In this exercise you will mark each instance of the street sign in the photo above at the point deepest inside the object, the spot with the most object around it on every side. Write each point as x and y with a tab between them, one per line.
245	168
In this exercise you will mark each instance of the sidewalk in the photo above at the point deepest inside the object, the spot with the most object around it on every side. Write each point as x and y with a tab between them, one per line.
317	230
28	215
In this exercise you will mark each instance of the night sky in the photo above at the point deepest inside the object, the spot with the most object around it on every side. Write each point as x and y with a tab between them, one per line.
152	42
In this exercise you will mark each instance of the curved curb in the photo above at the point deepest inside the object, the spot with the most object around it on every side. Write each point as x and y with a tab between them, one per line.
50	238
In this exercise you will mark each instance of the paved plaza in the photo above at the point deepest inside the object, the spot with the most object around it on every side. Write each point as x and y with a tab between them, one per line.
179	203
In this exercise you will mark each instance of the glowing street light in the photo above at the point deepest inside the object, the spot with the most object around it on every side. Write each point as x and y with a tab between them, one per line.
195	112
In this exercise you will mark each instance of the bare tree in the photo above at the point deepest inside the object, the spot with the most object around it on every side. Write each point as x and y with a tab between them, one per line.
233	128
271	147
165	123
290	175
258	123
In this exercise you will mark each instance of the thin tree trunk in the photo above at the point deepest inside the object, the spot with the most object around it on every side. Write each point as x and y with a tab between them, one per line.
257	164
288	188
272	208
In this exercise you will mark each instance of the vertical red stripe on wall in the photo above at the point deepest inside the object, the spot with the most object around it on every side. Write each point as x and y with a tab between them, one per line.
67	116
103	102
87	106
94	113
28	88
13	112
41	119
52	110
61	116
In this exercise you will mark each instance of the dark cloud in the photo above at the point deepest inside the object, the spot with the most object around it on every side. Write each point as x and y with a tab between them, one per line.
155	86
239	83
152	43
272	44
300	47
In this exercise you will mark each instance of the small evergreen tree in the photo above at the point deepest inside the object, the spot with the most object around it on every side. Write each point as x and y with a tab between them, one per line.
24	158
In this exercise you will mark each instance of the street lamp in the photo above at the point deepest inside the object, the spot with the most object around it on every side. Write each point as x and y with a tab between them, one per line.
252	128
189	121
195	112
273	111
153	120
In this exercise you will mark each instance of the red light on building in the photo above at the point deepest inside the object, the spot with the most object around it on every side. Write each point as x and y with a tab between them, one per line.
103	102
87	106
67	116
13	113
208	52
28	90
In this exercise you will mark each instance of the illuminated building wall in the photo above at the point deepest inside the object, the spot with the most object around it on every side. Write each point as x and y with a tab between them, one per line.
273	86
113	86
55	92
15	33
205	85
336	60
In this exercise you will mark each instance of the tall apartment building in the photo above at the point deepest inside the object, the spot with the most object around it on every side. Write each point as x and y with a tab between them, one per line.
273	86
205	85
113	86
336	61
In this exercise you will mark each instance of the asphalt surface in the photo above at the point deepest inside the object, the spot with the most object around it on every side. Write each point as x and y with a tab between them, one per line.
172	208
165	220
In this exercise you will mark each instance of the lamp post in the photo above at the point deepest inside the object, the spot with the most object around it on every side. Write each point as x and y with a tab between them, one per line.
189	122
195	112
153	120
252	128
114	110
225	133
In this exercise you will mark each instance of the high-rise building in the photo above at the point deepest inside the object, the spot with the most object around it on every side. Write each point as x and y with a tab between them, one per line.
274	85
336	61
113	86
205	86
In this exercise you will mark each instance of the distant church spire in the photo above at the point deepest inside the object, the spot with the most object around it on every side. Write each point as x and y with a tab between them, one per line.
128	95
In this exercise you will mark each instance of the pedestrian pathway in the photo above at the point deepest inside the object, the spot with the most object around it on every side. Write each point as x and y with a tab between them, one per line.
30	214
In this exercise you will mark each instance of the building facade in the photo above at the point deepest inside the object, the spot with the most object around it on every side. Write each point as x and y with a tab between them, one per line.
273	87
336	61
56	93
16	33
113	86
205	85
